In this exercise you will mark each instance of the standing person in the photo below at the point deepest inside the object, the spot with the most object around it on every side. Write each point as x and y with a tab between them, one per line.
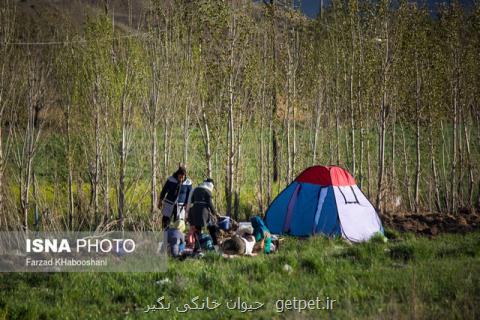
202	212
174	196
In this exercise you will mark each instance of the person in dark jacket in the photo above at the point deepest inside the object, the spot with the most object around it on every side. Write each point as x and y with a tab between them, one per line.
174	196
202	212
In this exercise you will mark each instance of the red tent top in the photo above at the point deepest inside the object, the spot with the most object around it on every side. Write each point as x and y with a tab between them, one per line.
326	176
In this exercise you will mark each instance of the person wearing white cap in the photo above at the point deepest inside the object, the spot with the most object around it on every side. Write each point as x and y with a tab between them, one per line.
202	213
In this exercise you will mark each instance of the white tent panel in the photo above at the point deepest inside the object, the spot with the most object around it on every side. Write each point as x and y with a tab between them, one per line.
358	219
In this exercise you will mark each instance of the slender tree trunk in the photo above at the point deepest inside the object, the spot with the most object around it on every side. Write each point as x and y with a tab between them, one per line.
217	177
125	113
381	155
166	116
36	213
208	152
469	164
123	155
360	104
418	138
362	153
287	119
329	122
231	156
269	177
274	94
261	196
186	134
166	139
436	190
477	117
352	109
105	164
290	116
393	183
231	127
154	143
261	156
4	61
318	110
336	98
461	161
406	174
337	120
321	9
96	175
274	153
446	198
345	102
236	202
27	164
369	167
1	162
294	85
383	116
25	197
153	163
453	191
70	171
347	147
121	182
294	145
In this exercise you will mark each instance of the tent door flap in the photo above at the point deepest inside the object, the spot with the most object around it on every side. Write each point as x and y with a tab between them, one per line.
348	195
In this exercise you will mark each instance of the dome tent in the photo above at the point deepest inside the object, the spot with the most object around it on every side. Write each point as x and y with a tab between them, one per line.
323	200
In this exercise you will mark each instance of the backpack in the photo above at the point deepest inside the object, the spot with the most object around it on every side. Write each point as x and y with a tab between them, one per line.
206	242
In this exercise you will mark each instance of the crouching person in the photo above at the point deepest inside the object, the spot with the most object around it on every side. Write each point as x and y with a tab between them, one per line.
240	244
202	212
176	238
262	235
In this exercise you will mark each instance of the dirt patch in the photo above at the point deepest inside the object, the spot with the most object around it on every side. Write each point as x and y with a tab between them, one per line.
432	223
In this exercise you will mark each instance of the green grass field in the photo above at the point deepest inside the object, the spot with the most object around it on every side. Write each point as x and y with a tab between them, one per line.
406	278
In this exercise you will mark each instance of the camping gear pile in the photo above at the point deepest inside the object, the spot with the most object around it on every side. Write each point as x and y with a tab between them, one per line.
234	239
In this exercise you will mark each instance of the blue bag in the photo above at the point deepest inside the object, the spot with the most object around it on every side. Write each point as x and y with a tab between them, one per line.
206	242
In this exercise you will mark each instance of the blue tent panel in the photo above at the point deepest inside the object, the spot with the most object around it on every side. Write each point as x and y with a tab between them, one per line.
318	211
328	222
276	213
304	211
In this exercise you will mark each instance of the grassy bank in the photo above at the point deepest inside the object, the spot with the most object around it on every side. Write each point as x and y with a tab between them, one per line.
411	277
